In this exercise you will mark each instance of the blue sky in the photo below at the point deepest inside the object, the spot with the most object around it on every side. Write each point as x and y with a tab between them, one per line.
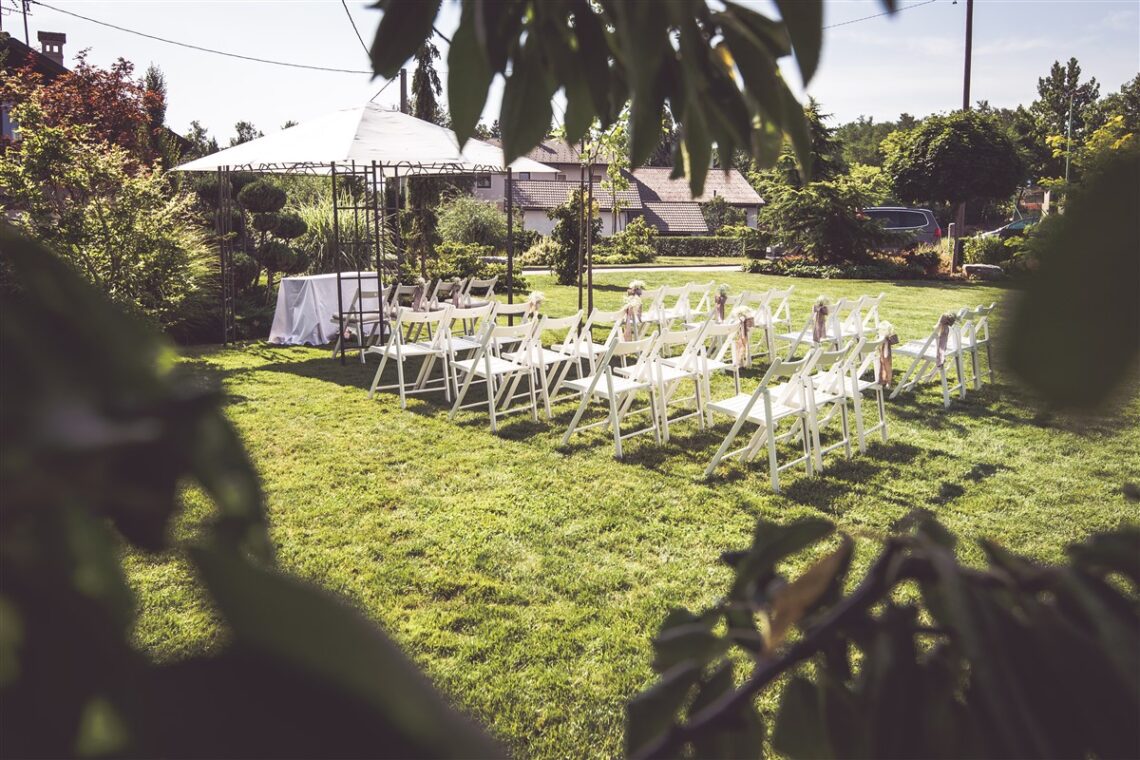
879	67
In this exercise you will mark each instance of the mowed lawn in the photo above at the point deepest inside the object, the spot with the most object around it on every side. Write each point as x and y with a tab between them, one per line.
527	581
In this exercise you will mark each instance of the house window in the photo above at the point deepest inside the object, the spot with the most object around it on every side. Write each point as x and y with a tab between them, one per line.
560	177
483	180
524	175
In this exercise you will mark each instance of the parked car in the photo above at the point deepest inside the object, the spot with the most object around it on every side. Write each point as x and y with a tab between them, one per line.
919	223
1016	228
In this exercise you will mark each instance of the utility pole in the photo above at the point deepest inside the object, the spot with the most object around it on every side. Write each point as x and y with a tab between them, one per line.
403	90
1069	140
24	5
960	212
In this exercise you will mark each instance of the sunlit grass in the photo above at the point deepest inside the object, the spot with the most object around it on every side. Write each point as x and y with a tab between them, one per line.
527	581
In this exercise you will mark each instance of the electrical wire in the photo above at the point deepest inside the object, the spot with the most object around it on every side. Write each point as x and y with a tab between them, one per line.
352	21
900	9
199	47
385	87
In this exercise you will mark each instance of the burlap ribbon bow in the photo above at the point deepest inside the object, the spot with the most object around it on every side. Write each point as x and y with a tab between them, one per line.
721	301
455	295
944	325
629	327
885	369
819	322
740	343
418	298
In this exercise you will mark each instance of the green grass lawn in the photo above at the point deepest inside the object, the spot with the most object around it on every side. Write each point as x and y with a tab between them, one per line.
527	581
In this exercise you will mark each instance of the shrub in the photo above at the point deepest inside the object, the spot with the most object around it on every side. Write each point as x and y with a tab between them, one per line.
822	221
458	260
566	235
985	250
929	257
466	219
876	268
719	213
261	197
698	246
633	245
542	254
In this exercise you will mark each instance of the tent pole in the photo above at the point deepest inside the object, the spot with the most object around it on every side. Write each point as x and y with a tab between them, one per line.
336	258
510	237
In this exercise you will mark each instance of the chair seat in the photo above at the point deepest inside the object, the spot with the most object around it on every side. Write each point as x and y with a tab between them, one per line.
353	318
862	385
734	407
663	315
914	349
621	385
650	373
498	366
463	343
583	349
407	350
539	356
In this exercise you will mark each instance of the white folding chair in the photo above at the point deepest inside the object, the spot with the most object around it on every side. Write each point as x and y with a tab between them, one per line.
365	312
448	291
827	400
975	339
865	358
925	364
510	313
606	385
480	290
762	338
400	349
552	364
669	372
777	314
767	407
670	303
869	316
717	355
584	346
500	376
843	321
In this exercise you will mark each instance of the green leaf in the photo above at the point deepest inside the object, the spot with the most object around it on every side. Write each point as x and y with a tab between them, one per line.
683	643
804	19
799	733
757	68
526	111
770	544
651	713
793	602
1104	553
592	42
403	28
314	634
1088	262
773	35
796	127
468	78
696	149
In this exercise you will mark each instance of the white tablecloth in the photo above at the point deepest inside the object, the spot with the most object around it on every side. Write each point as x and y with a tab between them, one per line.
306	306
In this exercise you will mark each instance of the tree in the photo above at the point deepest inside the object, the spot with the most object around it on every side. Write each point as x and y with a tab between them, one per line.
821	220
264	200
466	219
954	158
1124	103
199	137
424	192
825	152
719	213
567	234
1058	93
113	221
860	140
731	93
245	131
114	107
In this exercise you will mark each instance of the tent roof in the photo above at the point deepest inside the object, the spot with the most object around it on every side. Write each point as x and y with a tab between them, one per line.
362	135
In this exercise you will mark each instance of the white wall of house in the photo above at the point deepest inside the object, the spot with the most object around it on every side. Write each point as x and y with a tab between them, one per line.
750	216
497	191
537	220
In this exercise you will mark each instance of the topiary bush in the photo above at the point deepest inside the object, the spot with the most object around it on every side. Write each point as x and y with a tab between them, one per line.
261	197
633	245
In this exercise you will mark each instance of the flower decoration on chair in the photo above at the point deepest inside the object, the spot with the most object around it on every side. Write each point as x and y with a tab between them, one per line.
721	301
631	317
889	338
534	302
745	320
819	313
636	288
945	322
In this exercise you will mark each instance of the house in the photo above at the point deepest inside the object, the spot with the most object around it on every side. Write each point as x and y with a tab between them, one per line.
665	203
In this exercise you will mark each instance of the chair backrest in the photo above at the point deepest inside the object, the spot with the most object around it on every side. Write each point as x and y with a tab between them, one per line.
568	326
834	366
520	309
703	295
691	341
599	318
846	317
717	339
471	315
792	372
445	289
864	356
870	319
779	308
481	288
402	295
977	328
439	319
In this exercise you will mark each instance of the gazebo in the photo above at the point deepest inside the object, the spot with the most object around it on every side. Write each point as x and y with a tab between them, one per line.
367	145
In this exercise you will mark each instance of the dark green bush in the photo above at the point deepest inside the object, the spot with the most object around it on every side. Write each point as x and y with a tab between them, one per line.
876	268
633	245
985	250
265	222
821	220
699	246
261	197
290	226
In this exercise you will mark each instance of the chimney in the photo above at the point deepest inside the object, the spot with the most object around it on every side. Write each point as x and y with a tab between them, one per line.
51	45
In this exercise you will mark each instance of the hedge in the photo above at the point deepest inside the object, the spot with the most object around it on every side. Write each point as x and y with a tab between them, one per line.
881	269
698	246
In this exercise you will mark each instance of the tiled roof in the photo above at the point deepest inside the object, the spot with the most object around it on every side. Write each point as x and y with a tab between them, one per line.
676	217
537	193
557	152
731	185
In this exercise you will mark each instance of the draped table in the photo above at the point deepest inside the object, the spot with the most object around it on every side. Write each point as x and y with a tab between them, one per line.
306	306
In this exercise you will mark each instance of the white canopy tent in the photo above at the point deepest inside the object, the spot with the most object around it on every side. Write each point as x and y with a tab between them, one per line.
365	143
397	143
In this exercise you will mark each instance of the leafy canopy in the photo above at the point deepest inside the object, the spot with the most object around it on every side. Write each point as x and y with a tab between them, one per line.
714	66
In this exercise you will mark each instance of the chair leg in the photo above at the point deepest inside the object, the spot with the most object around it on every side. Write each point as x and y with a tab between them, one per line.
882	414
945	387
400	380
615	425
577	417
491	407
860	425
724	446
379	372
773	465
846	427
462	394
531	379
814	429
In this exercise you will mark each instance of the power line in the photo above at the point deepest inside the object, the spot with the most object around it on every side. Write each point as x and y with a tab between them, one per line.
900	9
200	48
352	21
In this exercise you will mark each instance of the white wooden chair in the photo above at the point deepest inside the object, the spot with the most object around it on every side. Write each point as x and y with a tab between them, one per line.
717	355
843	321
669	372
399	349
500	375
365	313
604	384
869	316
584	347
479	290
671	303
865	358
767	407
445	291
925	364
827	400
776	315
552	364
510	314
762	339
976	339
